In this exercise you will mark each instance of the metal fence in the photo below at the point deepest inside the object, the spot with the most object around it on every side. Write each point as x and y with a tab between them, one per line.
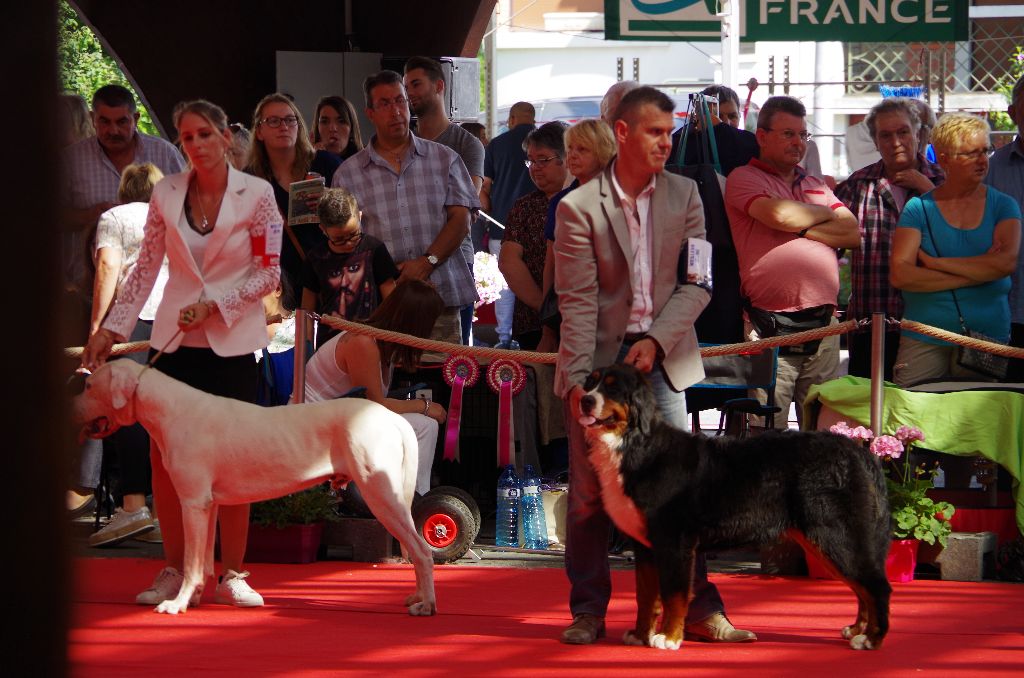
980	65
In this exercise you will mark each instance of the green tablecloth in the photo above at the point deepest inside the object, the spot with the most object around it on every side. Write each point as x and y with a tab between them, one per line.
964	423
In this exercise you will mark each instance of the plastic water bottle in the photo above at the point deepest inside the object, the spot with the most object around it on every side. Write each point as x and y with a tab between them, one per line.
535	529
506	525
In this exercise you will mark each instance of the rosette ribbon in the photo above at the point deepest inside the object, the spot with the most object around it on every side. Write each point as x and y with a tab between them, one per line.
506	378
459	372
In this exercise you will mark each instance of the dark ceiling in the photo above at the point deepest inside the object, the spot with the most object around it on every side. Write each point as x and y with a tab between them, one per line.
225	50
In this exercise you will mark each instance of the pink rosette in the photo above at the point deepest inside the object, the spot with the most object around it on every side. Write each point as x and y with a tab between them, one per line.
506	378
460	372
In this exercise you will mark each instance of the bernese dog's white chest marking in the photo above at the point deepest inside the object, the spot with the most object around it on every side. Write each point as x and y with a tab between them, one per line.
605	457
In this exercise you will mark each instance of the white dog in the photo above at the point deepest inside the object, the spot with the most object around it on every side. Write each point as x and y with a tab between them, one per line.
223	451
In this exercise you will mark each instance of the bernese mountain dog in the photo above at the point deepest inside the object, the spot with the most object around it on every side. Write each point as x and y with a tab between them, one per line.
676	493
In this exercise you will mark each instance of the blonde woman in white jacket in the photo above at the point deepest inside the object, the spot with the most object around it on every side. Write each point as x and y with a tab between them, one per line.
221	232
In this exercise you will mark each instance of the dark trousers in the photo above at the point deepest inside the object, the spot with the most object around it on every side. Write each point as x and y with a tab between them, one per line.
231	377
588	527
1015	374
860	352
128	446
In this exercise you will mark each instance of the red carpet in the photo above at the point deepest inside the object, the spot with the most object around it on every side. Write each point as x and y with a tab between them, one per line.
340	618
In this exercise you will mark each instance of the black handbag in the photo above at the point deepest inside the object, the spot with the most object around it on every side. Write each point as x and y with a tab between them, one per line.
549	314
974	359
781	323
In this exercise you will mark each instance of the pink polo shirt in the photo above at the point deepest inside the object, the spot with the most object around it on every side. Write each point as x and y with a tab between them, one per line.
780	271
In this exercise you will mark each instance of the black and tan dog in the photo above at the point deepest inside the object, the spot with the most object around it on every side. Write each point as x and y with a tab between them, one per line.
675	493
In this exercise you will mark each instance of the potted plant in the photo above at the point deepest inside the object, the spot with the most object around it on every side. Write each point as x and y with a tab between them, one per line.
288	529
916	517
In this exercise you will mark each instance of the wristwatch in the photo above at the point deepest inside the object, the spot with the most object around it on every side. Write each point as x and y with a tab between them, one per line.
432	259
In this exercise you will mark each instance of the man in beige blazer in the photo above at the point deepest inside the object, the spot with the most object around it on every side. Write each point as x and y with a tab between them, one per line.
618	240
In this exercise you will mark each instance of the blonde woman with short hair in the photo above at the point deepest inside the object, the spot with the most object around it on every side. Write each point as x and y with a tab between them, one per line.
954	246
589	147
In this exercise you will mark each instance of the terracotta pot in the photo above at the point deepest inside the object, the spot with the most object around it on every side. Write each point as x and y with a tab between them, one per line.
291	544
899	564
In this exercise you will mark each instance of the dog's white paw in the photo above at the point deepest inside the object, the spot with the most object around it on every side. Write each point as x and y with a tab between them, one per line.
659	641
171	607
422	609
852	630
630	638
861	642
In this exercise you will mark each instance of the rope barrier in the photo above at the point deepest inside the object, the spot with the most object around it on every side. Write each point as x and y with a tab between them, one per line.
963	340
115	350
550	358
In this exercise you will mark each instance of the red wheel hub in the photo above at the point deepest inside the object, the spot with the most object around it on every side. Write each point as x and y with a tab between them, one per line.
440	530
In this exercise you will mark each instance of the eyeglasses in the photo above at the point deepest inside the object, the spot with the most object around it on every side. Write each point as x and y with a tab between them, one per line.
789	135
541	163
973	155
347	240
397	102
275	122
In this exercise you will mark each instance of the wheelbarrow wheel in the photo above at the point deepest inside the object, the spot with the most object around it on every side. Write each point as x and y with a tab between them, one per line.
466	498
446	523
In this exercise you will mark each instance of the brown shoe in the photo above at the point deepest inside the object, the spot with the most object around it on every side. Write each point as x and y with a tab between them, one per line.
584	630
718	629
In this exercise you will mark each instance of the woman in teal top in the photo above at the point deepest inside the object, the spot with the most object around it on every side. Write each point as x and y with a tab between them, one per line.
962	238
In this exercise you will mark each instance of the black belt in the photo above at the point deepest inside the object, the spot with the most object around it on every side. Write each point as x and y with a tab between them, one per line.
633	337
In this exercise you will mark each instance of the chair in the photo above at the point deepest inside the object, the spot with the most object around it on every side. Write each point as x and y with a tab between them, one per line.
740	372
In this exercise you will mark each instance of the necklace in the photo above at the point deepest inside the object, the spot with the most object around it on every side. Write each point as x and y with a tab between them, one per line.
205	227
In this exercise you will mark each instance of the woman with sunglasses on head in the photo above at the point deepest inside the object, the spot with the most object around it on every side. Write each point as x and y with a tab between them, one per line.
281	154
221	233
954	247
350	272
335	127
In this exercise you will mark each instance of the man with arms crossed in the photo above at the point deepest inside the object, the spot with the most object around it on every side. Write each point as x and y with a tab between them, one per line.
786	226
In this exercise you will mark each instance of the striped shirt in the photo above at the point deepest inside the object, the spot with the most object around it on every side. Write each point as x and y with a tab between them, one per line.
870	197
1006	174
90	178
407	210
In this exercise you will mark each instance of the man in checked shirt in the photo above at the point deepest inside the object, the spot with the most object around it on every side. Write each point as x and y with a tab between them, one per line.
876	195
416	196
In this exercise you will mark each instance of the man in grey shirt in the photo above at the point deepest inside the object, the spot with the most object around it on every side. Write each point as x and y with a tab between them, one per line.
425	87
416	196
1006	174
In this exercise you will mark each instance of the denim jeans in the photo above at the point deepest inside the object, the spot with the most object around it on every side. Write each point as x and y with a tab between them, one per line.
506	303
588	527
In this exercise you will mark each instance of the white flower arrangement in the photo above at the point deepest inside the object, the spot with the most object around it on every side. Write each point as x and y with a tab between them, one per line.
489	281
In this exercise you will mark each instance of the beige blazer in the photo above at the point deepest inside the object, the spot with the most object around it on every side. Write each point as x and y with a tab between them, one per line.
594	274
239	267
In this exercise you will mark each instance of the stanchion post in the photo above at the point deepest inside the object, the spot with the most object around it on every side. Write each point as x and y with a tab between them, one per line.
299	378
877	371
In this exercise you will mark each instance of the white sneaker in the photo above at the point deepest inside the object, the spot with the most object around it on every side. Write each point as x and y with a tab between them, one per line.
234	590
154	536
124	525
165	587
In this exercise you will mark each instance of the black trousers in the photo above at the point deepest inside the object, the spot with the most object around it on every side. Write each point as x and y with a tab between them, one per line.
860	353
231	377
1015	374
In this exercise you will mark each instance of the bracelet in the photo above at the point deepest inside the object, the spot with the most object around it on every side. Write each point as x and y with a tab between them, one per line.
426	406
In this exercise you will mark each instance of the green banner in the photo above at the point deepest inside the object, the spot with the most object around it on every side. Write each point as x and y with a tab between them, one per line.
780	20
857	20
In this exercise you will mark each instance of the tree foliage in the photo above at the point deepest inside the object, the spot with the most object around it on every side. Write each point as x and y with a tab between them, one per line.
85	66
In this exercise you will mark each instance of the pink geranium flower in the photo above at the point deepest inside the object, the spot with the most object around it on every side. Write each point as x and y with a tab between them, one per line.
887	447
909	434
